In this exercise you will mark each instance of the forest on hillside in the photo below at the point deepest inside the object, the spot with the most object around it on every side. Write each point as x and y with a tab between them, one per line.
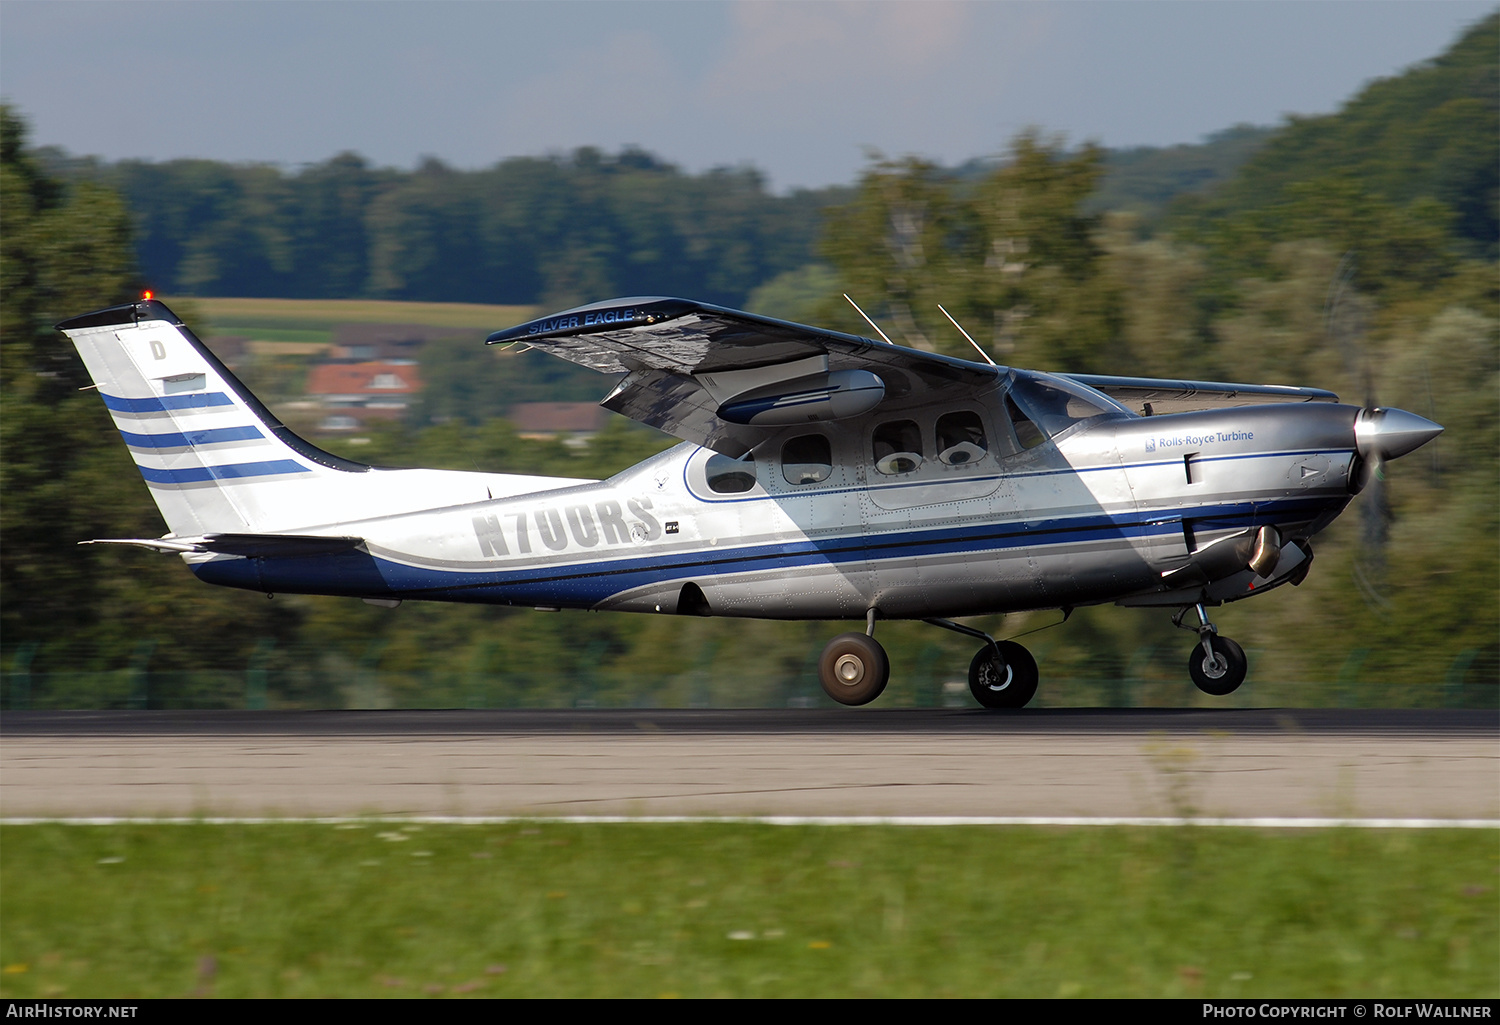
556	231
1355	251
553	231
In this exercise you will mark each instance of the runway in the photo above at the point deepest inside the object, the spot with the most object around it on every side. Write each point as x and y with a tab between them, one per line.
1241	763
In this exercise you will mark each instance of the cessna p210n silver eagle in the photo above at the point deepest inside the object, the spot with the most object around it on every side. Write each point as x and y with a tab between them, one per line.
824	476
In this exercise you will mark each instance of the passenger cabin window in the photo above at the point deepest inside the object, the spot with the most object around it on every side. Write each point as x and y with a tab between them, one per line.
807	459
960	438
898	447
728	476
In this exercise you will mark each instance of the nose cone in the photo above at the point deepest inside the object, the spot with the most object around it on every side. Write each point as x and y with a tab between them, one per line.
1389	433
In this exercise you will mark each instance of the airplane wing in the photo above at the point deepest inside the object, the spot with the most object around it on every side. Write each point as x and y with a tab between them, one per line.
1151	396
726	379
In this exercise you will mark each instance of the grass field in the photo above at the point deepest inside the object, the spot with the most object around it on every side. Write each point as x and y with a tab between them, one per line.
726	909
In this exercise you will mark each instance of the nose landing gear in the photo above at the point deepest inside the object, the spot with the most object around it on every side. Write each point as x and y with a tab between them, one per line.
1216	664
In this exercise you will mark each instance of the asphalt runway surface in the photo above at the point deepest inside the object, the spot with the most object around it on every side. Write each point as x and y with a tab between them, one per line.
1234	763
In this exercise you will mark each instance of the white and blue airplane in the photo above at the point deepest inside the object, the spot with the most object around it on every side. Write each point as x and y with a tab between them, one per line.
824	476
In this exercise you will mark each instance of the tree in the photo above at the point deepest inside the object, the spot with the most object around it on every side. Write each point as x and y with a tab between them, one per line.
558	231
65	477
1013	256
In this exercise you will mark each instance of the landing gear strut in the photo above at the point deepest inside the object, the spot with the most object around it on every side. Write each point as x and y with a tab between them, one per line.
1217	664
1002	675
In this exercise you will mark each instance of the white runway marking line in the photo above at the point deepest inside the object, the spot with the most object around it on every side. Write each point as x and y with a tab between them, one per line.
777	820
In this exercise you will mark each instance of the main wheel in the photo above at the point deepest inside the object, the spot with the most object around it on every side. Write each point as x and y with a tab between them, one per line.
1224	672
1007	686
853	669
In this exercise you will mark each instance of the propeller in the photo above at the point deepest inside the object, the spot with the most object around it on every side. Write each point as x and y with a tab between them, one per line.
1380	434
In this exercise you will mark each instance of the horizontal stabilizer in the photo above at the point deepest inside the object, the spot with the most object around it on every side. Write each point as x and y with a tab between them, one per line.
255	545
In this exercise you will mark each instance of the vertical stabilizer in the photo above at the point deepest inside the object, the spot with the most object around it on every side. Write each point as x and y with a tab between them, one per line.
209	450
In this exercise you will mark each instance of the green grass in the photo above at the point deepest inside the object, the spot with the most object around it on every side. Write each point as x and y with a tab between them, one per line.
546	909
273	334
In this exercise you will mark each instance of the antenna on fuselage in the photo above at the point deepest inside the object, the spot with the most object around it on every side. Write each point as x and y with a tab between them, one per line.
862	313
966	335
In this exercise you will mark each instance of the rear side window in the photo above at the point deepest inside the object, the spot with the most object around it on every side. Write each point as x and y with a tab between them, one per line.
898	447
807	459
960	438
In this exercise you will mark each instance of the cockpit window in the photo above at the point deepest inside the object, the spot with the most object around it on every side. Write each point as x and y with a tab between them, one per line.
1027	433
960	438
728	476
1052	405
898	447
807	459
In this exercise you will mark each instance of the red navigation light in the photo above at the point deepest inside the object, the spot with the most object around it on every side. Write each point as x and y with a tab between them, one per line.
147	294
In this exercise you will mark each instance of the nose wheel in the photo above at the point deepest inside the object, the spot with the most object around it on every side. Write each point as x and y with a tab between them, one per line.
1216	664
1221	669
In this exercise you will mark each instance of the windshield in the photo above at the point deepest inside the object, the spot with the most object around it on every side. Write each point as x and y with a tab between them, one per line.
1055	403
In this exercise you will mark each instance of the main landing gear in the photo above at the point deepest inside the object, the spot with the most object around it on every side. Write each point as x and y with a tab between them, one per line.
1217	664
854	668
1003	675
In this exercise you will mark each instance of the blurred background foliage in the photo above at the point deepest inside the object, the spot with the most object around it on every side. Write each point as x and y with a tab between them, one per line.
558	231
1355	251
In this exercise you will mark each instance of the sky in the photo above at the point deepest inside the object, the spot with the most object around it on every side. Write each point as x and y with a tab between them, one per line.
805	91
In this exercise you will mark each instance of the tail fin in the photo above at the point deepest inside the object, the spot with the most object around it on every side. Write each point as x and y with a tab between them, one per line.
196	433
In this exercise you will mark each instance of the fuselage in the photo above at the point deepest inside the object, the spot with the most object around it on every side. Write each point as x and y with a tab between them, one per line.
979	505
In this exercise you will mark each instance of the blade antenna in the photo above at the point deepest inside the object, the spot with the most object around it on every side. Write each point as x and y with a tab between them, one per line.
966	335
862	313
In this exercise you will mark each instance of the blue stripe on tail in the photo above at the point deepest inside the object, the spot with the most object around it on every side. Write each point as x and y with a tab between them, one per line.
232	471
187	439
195	400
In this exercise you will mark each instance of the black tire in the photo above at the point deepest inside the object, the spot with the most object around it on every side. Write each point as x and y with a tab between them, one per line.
1227	671
1009	687
853	669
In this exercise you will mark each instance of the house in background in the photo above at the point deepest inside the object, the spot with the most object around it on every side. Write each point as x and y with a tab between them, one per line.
370	373
580	421
351	394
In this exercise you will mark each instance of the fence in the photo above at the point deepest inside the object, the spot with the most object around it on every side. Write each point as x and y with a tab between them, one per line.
930	680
